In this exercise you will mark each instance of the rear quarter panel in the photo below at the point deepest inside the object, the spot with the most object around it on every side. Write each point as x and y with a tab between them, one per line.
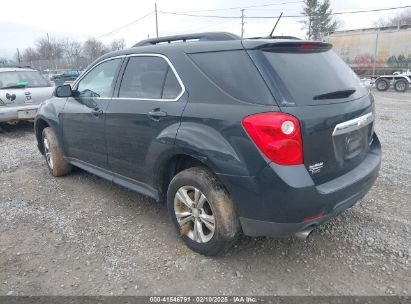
211	126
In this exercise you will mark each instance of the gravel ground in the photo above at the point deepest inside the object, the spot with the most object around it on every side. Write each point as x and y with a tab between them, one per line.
81	235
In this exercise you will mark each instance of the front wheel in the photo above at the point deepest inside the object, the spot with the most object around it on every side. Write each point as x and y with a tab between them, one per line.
202	211
54	154
401	85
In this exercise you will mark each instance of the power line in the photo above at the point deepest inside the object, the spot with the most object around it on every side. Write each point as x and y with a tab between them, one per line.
239	17
206	24
242	7
127	25
286	16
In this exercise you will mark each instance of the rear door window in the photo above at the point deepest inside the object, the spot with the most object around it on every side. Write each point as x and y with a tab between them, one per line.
309	78
234	73
149	77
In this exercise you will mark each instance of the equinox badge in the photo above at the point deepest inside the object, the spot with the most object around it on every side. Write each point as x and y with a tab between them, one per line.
316	167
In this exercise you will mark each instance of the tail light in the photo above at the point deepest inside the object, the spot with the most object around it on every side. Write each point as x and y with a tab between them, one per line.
277	135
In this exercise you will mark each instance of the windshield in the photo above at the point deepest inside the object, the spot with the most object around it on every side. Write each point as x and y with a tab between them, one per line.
304	77
22	78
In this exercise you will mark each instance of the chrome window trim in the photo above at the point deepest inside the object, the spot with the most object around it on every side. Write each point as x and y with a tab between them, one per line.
183	88
353	124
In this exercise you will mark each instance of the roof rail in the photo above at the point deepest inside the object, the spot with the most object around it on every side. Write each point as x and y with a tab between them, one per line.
209	36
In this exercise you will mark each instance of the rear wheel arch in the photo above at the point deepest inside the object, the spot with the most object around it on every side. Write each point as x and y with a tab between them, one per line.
205	216
172	166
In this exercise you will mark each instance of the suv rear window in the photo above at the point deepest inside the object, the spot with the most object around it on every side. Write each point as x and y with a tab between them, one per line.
32	78
235	74
304	76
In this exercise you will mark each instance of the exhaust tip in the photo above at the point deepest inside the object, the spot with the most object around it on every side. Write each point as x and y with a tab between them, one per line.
303	235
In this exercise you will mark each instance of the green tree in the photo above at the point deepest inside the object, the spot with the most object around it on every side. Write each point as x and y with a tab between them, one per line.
392	61
319	19
402	61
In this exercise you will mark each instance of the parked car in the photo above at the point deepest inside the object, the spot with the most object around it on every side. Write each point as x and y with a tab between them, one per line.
66	76
52	74
271	137
21	92
399	80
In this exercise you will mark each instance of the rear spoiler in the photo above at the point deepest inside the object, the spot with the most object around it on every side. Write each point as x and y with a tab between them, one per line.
296	47
291	46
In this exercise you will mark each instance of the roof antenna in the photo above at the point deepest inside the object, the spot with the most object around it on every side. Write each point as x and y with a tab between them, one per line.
271	34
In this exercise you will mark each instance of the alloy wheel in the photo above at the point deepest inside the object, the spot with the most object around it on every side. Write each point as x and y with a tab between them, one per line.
47	153
194	214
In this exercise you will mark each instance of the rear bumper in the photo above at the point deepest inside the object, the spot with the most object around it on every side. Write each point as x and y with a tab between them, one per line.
280	201
252	227
11	113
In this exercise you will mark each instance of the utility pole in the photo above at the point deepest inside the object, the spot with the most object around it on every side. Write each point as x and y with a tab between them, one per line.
309	28
375	51
18	56
242	23
155	10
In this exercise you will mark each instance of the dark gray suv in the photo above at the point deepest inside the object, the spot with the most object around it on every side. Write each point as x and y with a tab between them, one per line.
271	137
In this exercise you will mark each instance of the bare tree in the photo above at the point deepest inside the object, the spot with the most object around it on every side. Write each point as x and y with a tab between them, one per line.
403	18
49	48
66	53
73	53
5	61
93	49
320	20
117	45
30	55
72	48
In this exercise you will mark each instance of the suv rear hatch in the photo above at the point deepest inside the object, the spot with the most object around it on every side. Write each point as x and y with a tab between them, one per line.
22	87
336	113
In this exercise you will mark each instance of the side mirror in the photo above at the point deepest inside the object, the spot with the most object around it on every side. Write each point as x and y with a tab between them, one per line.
63	91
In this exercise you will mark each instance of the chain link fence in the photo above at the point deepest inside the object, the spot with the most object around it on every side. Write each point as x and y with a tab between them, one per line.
57	64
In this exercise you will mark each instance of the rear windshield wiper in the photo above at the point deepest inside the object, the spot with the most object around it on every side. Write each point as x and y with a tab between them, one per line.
336	94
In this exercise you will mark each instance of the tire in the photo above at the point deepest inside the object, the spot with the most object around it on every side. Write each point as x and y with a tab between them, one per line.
401	85
382	84
54	154
212	209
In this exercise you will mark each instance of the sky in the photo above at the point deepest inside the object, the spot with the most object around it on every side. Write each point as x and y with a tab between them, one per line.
28	20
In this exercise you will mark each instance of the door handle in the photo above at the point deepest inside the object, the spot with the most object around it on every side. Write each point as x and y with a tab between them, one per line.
157	114
97	112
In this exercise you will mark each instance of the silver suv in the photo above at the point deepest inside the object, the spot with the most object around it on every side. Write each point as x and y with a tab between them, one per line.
21	92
